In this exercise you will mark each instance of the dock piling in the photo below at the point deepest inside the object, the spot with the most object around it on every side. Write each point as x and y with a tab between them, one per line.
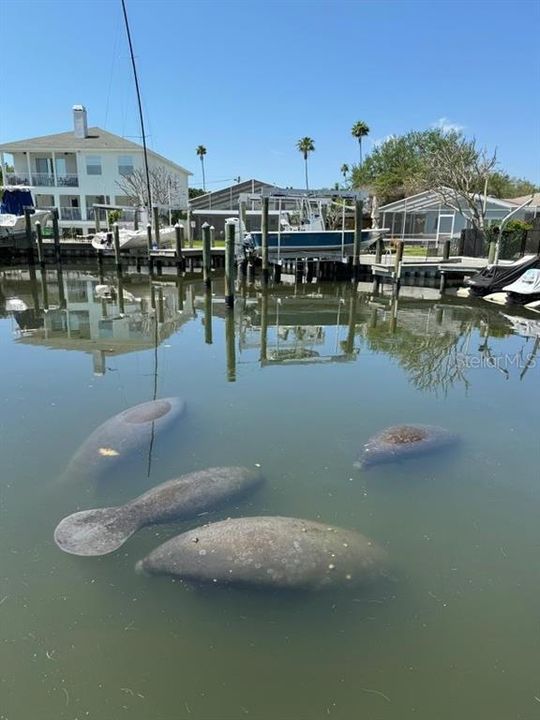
56	236
116	239
208	314
29	240
39	242
446	250
229	264
379	245
179	238
156	224
264	240
358	206
230	344
207	254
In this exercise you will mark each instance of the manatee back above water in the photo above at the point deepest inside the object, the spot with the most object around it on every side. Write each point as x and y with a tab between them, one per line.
271	552
402	441
103	530
125	437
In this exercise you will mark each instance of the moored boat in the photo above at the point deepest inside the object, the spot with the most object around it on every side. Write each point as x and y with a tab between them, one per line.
15	199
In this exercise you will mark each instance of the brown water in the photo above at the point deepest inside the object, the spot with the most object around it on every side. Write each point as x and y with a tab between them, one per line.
296	381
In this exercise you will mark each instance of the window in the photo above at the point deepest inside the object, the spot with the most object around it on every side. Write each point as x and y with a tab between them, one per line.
93	165
125	164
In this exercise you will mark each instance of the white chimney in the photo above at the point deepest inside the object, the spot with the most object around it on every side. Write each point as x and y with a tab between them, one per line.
80	125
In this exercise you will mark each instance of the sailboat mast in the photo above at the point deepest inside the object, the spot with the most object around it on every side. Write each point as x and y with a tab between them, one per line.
148	190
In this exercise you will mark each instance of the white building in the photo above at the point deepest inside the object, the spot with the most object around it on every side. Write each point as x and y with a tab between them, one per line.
75	170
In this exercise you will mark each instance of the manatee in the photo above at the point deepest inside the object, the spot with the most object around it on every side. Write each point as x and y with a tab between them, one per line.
403	441
103	530
126	436
269	552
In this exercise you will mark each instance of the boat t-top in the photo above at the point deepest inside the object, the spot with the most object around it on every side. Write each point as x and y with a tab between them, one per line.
302	224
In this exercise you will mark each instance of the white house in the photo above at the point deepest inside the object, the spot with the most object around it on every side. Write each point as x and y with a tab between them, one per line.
75	170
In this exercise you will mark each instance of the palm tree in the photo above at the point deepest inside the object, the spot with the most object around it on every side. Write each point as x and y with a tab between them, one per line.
360	130
306	145
344	170
201	152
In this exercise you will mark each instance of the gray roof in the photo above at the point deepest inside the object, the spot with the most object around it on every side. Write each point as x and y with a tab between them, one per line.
227	198
97	139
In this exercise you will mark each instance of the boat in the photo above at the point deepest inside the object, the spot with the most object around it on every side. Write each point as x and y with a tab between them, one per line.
526	289
15	199
493	278
302	229
130	239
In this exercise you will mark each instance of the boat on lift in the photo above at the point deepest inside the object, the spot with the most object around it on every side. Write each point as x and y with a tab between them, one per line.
15	199
302	230
130	239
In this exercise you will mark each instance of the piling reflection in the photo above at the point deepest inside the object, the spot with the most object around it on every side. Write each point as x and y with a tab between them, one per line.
437	343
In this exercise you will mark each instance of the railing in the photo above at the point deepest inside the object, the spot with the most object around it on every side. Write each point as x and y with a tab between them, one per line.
43	179
17	179
70	213
67	180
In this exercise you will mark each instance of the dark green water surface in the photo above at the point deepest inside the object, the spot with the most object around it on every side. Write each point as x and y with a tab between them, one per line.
296	381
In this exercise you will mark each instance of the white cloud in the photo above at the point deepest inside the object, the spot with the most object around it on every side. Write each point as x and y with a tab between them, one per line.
446	125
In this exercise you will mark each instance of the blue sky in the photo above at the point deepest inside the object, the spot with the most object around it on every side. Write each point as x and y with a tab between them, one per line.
248	78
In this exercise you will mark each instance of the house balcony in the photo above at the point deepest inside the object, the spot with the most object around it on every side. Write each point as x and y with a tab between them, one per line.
70	213
38	179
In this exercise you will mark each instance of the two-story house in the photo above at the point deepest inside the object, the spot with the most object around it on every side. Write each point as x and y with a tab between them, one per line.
75	170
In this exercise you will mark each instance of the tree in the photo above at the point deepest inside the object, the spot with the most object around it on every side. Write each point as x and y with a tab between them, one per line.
344	170
360	130
201	152
164	186
459	172
502	185
306	145
195	192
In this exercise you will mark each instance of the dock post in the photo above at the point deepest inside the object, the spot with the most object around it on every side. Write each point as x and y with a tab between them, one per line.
446	250
180	291
179	237
358	206
394	316
208	314
376	285
189	230
277	272
351	327
442	283
379	245
149	245
136	218
56	236
207	254
39	241
212	236
100	267
116	238
156	224
230	344
121	307
44	288
229	264
264	240
29	239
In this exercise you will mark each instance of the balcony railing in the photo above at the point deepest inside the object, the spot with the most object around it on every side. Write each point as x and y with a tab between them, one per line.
43	179
67	180
70	213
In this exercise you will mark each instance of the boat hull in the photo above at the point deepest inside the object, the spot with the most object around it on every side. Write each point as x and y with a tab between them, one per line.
302	243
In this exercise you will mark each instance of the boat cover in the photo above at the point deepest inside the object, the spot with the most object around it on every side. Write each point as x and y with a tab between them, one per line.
493	278
15	201
528	284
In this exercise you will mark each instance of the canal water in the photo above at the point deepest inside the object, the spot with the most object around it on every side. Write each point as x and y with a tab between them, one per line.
296	382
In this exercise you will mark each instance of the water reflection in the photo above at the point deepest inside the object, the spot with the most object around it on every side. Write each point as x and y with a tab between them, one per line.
437	343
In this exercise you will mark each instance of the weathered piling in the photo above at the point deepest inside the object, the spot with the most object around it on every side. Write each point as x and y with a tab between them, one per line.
39	243
44	288
442	282
229	264
358	206
230	344
120	283
397	267
207	254
264	240
446	250
394	316
56	236
61	288
156	225
135	218
212	236
29	238
179	241
208	314
100	267
116	242
379	246
149	241
180	291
